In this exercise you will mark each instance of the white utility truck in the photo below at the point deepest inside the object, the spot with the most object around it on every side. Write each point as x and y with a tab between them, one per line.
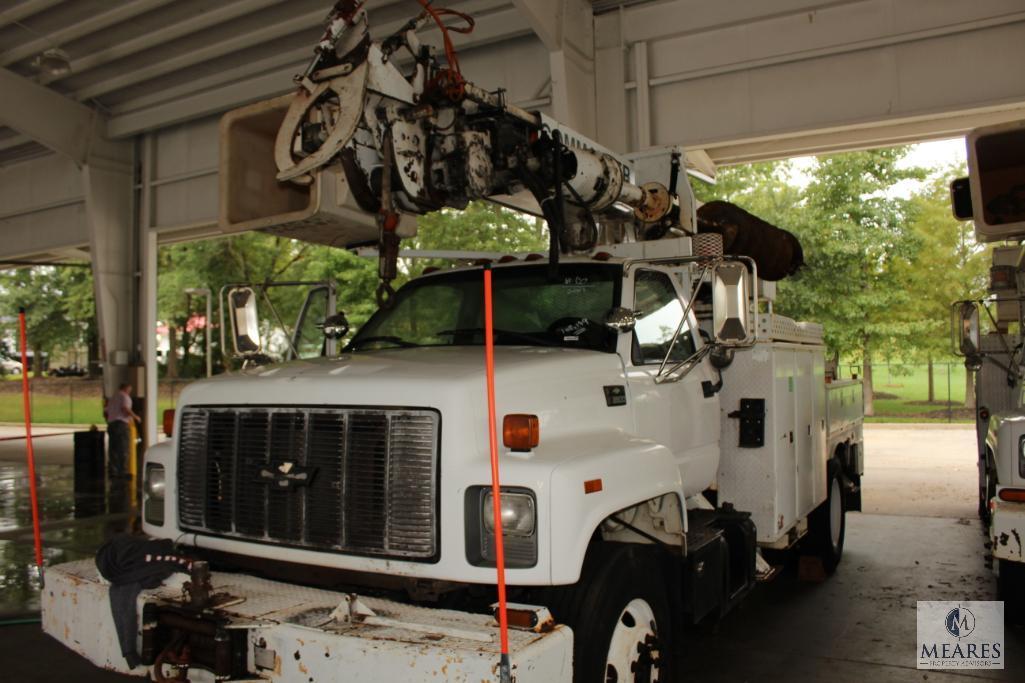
994	197
660	424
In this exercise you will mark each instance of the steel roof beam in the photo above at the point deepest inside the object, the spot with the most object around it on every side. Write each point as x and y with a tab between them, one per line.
79	29
236	91
308	21
200	55
273	62
12	141
140	43
24	10
47	117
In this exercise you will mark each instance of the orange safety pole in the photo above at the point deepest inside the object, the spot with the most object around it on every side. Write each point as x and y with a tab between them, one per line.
505	671
30	455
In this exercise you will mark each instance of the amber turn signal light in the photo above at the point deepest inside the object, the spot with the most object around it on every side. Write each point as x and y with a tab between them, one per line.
521	432
169	422
1012	495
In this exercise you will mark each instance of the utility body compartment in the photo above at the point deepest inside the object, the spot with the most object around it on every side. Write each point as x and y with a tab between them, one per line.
781	421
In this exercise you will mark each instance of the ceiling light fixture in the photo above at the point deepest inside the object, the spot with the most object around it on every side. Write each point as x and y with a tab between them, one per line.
54	62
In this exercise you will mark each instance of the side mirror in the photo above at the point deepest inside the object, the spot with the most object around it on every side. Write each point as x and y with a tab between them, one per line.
621	320
961	199
245	323
335	326
731	314
968	328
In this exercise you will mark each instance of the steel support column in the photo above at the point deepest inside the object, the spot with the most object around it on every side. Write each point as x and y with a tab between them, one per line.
107	167
566	27
108	205
147	299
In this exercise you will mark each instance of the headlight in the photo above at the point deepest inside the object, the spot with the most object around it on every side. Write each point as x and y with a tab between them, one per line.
519	526
153	505
518	517
155	481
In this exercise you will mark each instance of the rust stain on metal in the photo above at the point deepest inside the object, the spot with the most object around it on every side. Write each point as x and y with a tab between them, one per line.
546	625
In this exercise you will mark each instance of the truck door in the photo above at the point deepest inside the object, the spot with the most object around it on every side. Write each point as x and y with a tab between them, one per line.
675	413
308	340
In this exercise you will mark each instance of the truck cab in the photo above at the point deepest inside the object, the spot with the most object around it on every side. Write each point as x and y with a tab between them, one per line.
991	197
394	427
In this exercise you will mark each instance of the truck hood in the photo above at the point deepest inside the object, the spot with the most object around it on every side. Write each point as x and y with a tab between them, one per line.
537	380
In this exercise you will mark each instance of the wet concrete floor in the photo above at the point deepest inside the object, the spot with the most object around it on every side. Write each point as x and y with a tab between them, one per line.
860	625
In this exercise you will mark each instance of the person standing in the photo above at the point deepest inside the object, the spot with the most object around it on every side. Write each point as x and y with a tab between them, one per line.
119	416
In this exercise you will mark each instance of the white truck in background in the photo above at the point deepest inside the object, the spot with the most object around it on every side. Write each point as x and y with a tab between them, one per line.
994	197
661	425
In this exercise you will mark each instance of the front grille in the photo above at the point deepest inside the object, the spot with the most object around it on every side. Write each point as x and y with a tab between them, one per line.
349	480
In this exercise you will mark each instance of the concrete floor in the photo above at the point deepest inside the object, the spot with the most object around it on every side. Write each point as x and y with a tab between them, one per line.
918	539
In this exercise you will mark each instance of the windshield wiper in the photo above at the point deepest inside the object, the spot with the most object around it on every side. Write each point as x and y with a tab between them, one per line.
391	339
519	335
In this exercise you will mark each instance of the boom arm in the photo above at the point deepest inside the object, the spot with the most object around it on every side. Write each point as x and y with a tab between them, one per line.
417	138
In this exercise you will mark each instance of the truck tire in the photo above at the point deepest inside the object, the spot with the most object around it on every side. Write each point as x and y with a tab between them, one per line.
620	616
1011	589
987	487
827	524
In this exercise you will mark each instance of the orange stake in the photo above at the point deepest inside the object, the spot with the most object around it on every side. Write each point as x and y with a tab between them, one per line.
496	489
29	454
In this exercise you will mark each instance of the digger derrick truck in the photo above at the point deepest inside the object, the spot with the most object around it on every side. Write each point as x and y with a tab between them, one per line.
993	196
661	425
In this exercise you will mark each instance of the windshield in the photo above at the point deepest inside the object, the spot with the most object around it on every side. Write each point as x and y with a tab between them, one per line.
529	309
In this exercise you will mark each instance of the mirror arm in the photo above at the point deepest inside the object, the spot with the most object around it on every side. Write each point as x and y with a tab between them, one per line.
683	321
691	362
277	317
220	312
989	314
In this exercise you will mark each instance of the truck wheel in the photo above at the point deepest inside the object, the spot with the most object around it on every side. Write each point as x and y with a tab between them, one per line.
1011	589
827	524
619	613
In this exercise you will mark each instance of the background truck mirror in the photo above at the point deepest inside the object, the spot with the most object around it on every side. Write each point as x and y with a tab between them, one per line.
245	323
968	328
996	167
961	199
731	314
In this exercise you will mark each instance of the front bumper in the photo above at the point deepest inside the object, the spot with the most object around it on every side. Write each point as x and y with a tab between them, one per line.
1007	530
293	633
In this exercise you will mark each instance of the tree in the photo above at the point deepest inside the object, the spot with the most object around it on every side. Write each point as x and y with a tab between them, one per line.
948	266
249	257
767	189
853	233
261	258
56	312
481	226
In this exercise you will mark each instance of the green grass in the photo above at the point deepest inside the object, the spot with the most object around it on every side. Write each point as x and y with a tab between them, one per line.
83	407
910	384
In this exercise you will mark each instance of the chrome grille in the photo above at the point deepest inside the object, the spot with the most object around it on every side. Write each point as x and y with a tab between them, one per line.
349	480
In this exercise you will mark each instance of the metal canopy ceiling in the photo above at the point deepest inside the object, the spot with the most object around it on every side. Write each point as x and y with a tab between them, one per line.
151	63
